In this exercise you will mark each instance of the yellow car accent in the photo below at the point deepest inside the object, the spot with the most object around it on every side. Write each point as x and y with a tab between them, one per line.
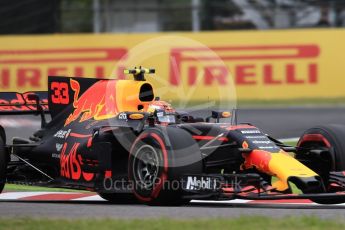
136	116
282	165
226	114
127	95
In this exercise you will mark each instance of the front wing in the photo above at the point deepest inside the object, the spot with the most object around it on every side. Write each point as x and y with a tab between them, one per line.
252	187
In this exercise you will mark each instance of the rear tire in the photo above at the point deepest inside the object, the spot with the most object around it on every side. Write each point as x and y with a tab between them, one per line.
3	164
158	159
119	198
328	137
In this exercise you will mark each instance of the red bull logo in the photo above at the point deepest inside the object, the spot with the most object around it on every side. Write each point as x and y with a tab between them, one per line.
97	102
258	159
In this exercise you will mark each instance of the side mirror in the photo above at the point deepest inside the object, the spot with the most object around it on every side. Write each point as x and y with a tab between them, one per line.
218	115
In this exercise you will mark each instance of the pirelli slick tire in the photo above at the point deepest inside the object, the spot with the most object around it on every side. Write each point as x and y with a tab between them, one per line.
119	198
158	159
3	164
328	137
331	137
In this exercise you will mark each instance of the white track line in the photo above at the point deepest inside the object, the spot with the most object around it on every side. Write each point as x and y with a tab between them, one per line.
236	201
19	195
90	198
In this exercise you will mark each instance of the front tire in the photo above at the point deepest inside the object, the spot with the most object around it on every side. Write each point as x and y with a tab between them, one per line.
158	159
330	138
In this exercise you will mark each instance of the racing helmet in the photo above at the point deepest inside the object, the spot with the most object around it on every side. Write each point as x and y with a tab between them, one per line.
164	112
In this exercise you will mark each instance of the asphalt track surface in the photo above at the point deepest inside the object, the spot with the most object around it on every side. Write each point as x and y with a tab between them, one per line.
280	123
98	209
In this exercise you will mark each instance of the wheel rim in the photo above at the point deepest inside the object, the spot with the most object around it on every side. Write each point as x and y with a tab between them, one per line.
146	167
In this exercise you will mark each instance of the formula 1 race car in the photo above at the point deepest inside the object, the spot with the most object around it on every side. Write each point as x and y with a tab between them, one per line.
115	137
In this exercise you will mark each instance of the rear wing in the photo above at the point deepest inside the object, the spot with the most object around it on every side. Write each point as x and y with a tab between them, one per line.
12	103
